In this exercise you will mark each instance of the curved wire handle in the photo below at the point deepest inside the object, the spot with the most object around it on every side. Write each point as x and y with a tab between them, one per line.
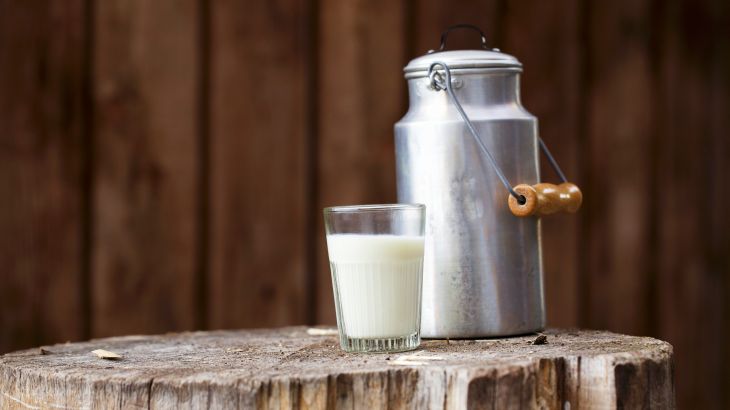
441	82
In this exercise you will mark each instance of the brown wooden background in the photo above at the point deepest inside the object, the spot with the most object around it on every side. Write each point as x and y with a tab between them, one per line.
163	164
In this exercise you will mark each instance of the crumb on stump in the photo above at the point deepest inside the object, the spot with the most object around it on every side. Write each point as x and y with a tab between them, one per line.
540	340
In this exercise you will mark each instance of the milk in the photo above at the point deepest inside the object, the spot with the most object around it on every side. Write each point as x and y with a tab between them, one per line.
378	283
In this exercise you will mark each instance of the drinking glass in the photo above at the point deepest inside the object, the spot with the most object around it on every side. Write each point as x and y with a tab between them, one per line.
376	259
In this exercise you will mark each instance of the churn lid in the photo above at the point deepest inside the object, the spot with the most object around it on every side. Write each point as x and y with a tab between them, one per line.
462	59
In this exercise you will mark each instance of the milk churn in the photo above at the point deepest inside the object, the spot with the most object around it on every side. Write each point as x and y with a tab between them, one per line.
465	140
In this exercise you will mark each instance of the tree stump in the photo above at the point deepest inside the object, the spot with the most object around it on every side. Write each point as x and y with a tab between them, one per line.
304	368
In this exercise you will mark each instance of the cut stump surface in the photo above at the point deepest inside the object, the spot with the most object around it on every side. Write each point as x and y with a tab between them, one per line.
294	368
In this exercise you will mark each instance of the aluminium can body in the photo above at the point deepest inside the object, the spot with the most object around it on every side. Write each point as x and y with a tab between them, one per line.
483	266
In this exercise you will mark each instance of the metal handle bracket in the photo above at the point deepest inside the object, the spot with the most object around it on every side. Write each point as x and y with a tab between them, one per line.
440	82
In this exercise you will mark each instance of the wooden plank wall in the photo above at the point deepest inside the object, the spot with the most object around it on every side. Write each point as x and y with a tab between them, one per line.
144	166
43	135
163	165
259	163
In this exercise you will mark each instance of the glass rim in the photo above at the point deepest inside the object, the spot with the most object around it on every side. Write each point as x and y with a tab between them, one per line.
374	208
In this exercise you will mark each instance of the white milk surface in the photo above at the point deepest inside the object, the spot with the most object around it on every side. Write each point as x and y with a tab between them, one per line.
378	279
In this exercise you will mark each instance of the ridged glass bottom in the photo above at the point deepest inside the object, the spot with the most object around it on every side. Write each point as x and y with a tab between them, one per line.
378	304
391	344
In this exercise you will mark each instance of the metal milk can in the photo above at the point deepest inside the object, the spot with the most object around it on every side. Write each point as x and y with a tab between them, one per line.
463	142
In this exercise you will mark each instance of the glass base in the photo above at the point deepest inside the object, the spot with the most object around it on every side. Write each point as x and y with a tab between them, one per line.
385	345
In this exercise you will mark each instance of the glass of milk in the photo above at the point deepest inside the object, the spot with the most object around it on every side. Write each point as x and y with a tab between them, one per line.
376	259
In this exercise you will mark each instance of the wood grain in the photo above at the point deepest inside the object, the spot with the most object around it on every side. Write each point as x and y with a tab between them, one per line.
288	368
362	51
259	181
692	160
545	37
145	163
42	129
545	199
619	132
719	238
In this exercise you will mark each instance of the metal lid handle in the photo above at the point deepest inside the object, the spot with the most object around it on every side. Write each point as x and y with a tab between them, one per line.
459	26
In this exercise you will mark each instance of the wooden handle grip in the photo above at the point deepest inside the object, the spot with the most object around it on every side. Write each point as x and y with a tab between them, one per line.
546	199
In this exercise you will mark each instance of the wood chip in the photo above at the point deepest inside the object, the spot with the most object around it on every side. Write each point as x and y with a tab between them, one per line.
420	357
105	354
416	359
401	362
44	351
313	331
